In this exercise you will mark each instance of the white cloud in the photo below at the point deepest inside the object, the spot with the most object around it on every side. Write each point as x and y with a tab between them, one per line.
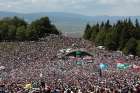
87	7
108	2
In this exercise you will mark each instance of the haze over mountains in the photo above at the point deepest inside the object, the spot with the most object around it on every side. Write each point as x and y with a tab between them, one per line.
67	22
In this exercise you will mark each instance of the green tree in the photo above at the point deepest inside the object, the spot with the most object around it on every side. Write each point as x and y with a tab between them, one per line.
107	25
16	21
137	30
111	40
124	37
53	30
130	47
137	23
31	33
94	32
15	28
11	32
4	31
21	33
100	38
87	33
138	48
43	27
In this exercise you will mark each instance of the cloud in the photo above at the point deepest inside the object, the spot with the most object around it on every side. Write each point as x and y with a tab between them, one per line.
108	2
86	7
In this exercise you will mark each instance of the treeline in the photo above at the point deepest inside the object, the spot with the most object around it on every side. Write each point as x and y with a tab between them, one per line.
124	35
14	28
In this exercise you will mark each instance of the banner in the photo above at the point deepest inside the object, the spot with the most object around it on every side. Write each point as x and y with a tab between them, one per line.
79	63
136	68
103	66
122	66
28	86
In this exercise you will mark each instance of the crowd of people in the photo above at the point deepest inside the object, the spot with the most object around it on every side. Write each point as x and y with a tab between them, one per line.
34	67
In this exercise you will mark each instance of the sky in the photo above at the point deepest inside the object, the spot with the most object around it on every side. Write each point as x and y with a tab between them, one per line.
84	7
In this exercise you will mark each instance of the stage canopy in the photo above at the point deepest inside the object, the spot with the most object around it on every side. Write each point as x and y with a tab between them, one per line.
80	53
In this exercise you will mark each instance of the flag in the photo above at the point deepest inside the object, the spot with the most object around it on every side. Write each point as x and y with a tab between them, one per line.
136	68
28	86
103	66
122	66
79	63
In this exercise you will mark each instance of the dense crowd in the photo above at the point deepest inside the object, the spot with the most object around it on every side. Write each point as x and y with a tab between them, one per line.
37	65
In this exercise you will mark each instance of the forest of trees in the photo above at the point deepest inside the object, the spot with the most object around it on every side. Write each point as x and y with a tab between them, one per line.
17	29
124	35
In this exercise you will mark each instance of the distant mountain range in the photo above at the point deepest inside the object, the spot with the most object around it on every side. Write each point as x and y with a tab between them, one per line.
67	22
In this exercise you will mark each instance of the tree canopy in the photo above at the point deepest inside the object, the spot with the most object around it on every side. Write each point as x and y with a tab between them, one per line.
15	28
124	35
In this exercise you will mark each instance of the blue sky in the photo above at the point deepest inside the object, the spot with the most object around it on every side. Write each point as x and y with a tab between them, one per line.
85	7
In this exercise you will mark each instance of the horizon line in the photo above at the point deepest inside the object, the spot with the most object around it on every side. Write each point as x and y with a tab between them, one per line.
69	13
